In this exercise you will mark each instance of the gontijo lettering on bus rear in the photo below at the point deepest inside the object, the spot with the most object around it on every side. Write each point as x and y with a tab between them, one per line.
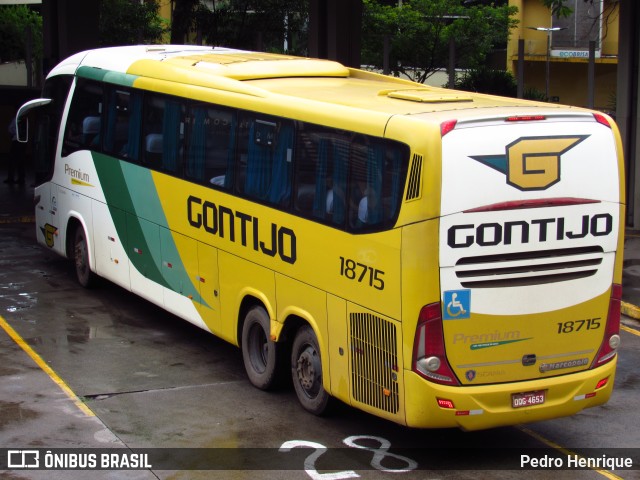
222	221
523	232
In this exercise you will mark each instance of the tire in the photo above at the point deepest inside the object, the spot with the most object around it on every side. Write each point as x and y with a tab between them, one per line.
259	352
84	275
306	372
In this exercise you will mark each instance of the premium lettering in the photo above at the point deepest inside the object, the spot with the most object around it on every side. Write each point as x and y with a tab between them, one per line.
77	174
523	232
237	226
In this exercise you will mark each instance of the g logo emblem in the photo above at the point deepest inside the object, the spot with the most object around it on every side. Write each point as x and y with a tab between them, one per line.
532	163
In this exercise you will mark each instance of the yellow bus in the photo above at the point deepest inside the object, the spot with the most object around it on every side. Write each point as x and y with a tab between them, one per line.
433	257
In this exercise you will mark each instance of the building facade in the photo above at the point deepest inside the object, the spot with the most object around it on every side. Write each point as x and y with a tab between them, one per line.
556	51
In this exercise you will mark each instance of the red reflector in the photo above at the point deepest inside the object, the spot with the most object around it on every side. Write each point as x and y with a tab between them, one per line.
446	127
444	403
602	383
600	118
525	118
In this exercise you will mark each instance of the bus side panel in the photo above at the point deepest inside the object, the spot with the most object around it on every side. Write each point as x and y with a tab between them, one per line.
209	307
70	204
420	278
45	229
309	303
238	279
339	351
143	247
180	272
112	262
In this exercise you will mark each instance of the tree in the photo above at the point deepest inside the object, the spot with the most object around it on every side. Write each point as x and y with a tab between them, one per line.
183	19
419	31
14	20
264	25
127	22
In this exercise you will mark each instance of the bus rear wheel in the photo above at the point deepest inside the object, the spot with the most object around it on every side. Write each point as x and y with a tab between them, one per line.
306	371
258	350
84	275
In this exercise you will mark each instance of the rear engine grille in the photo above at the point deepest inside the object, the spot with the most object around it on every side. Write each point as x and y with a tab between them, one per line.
528	268
374	361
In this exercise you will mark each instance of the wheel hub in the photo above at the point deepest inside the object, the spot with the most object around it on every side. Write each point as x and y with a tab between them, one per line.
307	368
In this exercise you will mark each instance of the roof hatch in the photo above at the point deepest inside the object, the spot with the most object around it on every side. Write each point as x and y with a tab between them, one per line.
428	96
253	67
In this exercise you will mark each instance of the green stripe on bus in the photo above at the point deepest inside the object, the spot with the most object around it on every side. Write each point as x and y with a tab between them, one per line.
126	185
117	78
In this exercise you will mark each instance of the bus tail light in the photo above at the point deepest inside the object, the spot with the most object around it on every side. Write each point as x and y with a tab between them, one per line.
611	340
429	356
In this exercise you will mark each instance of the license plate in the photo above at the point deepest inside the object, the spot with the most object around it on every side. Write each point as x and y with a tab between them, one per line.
528	399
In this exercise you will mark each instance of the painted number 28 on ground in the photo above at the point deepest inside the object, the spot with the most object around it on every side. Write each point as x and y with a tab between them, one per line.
380	453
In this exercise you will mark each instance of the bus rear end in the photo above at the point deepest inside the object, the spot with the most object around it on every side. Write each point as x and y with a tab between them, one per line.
530	250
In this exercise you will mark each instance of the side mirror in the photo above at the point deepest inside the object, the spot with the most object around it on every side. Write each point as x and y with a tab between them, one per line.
22	127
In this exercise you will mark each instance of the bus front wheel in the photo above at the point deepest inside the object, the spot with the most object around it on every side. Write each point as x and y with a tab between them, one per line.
84	275
306	371
258	350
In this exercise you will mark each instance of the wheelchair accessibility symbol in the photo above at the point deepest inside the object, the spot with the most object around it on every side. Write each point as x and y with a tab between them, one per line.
457	304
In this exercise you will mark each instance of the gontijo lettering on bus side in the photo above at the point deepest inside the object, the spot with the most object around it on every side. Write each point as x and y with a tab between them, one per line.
223	222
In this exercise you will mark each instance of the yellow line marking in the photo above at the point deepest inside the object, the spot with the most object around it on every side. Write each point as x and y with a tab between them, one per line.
46	368
565	451
632	331
630	310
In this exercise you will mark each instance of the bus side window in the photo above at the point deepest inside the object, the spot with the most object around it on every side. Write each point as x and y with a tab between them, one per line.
310	179
266	174
122	117
321	174
84	123
210	157
378	171
162	133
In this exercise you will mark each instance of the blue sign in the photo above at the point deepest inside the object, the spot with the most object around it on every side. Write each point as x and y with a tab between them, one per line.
457	304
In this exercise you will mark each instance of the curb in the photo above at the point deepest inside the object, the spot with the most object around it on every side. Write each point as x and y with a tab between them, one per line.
630	310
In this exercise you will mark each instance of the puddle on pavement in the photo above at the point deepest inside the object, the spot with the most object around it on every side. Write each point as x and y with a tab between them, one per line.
12	412
18	302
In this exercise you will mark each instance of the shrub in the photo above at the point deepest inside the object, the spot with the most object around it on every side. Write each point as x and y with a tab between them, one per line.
487	80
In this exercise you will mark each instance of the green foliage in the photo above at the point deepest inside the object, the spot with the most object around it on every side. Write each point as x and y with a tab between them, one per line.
487	80
126	22
419	32
532	93
263	25
14	20
558	8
